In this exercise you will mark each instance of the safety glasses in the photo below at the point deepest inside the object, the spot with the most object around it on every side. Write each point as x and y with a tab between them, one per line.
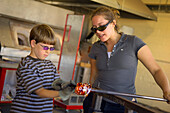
46	48
100	28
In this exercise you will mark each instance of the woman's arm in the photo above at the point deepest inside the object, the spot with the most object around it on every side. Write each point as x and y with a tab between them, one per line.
93	71
145	56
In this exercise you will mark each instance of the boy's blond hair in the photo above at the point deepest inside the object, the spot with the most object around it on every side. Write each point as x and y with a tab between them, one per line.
42	33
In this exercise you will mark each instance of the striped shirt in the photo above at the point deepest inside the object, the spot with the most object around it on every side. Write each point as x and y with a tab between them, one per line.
33	74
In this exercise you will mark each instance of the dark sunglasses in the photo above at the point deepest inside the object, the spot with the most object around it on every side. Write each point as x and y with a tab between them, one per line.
100	28
46	48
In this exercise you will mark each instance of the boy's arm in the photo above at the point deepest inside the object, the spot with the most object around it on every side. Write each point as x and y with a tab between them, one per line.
45	93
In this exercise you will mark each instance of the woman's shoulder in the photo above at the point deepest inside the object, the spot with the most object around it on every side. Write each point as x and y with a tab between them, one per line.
98	43
124	35
129	37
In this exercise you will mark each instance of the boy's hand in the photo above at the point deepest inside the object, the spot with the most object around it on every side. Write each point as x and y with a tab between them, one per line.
57	84
70	84
65	88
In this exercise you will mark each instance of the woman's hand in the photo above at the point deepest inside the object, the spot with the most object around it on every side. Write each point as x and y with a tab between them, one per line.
166	95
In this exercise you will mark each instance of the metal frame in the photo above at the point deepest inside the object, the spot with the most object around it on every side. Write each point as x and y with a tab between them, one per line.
129	105
2	80
70	46
69	52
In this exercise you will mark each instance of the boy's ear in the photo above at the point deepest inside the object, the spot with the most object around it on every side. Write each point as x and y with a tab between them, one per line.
33	43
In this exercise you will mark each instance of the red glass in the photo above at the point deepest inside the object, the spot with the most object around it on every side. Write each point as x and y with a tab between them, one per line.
83	89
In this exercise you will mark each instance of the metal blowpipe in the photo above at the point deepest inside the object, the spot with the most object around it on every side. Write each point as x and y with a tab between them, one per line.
85	89
128	95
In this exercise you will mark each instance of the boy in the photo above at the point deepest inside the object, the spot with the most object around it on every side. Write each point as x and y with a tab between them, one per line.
35	74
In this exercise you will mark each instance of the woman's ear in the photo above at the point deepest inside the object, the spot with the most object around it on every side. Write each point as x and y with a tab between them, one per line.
33	43
114	22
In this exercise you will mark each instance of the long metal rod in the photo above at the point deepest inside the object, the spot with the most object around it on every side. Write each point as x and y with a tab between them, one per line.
128	95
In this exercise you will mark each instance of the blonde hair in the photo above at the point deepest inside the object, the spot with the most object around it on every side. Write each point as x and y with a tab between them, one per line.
42	33
108	14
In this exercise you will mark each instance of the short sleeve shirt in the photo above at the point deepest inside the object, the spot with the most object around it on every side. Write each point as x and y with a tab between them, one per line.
33	74
118	72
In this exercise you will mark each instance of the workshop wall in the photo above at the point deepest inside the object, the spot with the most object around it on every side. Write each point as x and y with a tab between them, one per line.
156	35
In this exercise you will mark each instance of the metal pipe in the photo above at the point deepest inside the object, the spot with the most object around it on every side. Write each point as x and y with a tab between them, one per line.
128	95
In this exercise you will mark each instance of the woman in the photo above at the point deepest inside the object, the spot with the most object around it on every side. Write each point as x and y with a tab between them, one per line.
114	60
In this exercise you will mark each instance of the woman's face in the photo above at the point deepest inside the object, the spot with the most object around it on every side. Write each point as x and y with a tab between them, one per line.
104	35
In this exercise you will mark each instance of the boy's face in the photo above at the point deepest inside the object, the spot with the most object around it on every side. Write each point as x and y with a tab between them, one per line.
40	50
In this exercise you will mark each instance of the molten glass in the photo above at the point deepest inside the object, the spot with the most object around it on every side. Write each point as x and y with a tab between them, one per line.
83	89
